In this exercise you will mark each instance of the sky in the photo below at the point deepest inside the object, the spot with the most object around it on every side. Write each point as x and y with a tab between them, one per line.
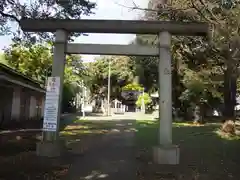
106	9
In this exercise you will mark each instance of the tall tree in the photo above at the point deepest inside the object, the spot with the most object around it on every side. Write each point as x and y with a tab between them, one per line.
11	11
217	59
122	72
34	61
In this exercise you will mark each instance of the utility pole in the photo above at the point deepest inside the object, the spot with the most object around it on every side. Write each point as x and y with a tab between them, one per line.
109	84
83	98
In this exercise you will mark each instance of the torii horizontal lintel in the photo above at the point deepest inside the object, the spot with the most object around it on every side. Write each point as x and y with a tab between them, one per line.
115	26
112	49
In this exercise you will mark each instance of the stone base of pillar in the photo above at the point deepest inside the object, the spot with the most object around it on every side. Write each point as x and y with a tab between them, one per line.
166	155
50	149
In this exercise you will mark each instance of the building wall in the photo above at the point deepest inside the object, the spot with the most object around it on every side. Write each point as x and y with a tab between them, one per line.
33	107
20	97
26	104
16	103
36	106
5	104
42	102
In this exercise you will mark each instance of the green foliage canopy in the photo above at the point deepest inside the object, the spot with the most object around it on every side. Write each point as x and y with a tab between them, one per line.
133	87
121	73
200	68
36	62
11	11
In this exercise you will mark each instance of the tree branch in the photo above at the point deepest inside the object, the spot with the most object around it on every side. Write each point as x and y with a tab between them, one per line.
10	16
200	12
209	11
136	7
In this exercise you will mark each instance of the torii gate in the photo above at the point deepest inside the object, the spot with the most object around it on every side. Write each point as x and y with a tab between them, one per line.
166	152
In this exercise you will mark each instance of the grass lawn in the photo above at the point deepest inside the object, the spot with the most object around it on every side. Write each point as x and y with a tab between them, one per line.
204	154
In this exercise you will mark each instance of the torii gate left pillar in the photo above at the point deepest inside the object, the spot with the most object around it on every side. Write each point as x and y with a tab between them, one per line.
51	146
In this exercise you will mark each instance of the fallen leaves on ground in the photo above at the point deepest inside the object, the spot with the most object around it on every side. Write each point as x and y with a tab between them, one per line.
27	165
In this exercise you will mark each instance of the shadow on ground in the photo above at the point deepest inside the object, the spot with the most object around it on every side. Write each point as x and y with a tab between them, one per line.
204	155
107	150
104	151
24	138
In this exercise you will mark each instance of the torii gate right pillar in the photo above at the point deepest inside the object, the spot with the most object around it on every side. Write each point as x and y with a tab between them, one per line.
165	152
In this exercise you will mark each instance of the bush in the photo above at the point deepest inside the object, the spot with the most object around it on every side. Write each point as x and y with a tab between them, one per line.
229	127
133	87
146	99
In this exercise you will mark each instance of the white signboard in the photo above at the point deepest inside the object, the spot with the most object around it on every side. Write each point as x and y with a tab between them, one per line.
53	85
51	104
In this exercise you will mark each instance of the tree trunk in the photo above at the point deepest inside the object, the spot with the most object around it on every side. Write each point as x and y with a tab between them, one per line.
177	90
202	113
230	87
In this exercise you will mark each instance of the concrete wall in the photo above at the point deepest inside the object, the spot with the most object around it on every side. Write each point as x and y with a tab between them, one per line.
33	107
5	104
26	105
36	106
16	103
42	102
20	97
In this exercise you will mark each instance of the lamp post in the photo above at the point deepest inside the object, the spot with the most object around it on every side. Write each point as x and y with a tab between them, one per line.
83	98
109	84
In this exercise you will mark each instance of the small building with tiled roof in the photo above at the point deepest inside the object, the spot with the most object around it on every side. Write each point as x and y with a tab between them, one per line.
21	98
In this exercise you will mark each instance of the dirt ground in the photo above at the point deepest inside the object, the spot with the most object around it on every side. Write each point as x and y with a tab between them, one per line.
94	150
120	149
